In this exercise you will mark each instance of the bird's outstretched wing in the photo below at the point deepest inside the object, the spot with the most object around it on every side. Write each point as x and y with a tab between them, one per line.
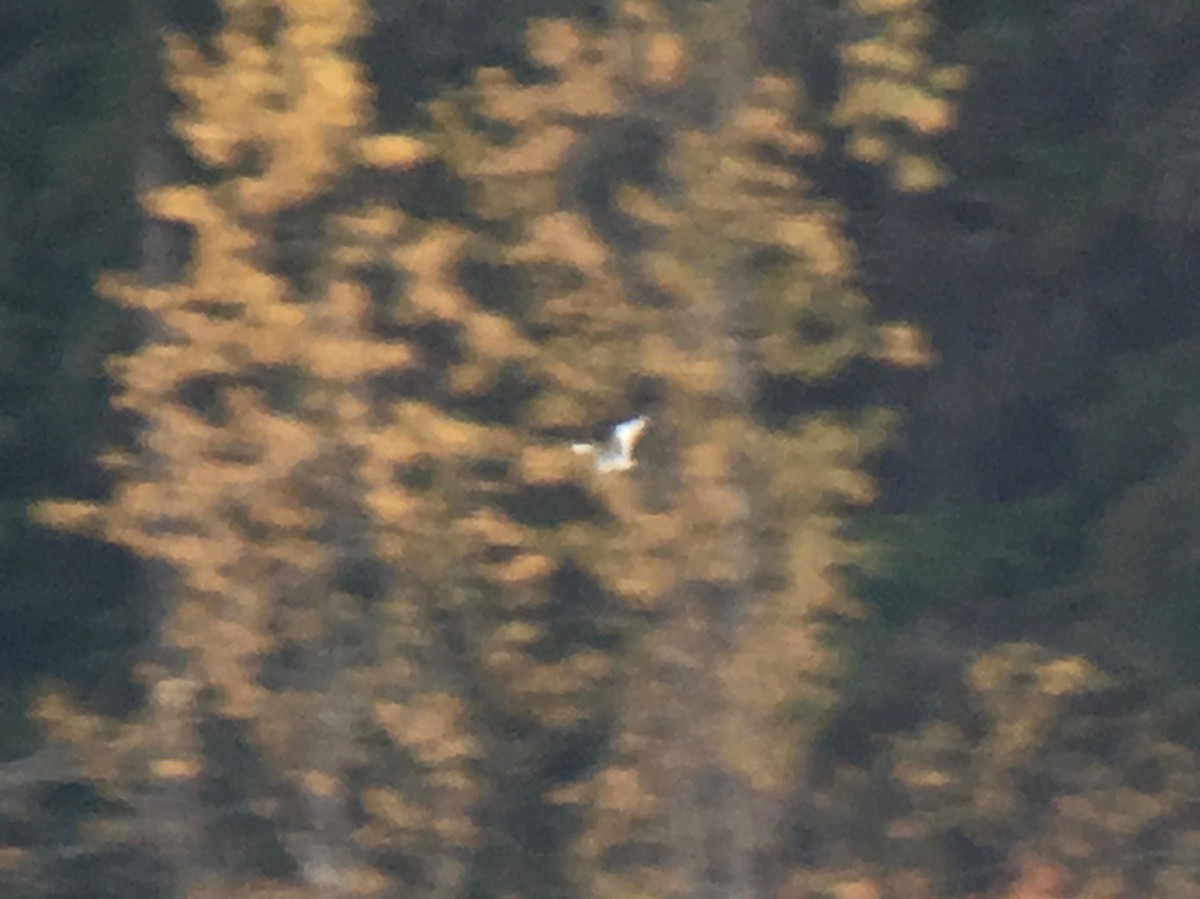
627	433
616	453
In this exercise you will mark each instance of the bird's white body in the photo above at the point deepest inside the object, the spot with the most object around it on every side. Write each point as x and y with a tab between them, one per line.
617	453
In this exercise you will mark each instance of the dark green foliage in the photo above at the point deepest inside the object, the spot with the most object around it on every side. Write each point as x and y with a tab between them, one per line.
68	78
967	560
1150	414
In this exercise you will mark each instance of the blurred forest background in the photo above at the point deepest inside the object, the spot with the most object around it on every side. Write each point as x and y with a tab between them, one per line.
304	595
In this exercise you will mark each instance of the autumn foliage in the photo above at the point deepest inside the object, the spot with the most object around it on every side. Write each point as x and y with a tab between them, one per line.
407	642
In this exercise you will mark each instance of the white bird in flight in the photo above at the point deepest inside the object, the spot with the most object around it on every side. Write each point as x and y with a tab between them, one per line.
617	453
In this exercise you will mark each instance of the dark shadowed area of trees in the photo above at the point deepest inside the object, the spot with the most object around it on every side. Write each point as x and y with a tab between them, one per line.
304	592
